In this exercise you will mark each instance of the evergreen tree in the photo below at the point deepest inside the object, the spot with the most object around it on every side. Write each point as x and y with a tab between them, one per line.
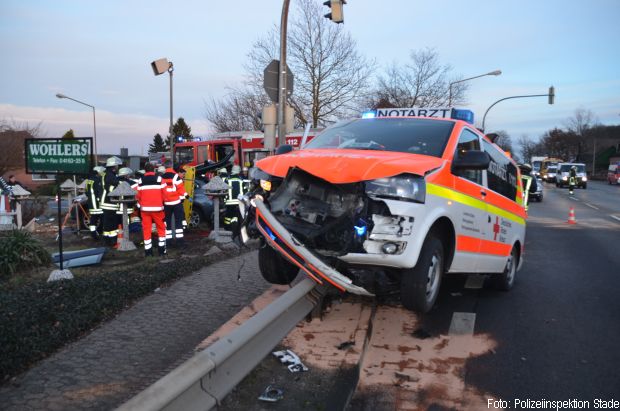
69	134
158	144
180	128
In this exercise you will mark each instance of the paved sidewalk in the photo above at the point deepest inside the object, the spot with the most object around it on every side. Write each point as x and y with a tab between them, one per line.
127	354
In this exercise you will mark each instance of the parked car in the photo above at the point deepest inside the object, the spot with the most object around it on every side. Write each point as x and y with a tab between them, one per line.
202	210
538	194
563	175
613	174
550	174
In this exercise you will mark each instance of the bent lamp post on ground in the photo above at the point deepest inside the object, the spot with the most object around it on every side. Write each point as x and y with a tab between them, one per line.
160	67
551	96
59	95
492	73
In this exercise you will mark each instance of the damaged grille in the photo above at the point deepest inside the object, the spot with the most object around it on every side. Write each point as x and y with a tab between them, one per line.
322	215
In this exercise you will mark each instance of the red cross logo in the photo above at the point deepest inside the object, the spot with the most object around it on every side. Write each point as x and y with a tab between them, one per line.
496	228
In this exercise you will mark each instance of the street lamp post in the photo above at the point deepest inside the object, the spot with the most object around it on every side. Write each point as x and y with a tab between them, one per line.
282	81
160	67
551	96
59	95
492	73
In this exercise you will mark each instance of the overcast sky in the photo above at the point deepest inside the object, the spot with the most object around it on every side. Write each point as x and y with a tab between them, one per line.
100	53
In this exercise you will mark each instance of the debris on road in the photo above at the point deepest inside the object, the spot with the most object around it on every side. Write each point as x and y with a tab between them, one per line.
271	394
289	357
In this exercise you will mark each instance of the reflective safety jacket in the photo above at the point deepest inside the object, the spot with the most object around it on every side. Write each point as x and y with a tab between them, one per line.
151	193
175	190
94	189
110	181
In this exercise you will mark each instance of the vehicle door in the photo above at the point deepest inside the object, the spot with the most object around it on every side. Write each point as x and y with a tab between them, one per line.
469	218
502	225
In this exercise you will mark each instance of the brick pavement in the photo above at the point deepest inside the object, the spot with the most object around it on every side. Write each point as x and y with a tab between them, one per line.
142	344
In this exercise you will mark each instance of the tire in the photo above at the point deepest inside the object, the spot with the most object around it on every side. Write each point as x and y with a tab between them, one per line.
420	285
505	281
195	219
274	268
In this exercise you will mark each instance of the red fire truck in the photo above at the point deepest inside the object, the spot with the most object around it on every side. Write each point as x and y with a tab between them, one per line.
248	147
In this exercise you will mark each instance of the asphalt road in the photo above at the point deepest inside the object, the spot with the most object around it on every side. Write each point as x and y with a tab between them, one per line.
557	333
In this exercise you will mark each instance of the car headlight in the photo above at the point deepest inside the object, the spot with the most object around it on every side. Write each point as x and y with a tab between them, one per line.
564	178
405	187
545	176
584	178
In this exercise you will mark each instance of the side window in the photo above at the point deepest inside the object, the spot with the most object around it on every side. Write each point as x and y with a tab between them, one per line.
502	173
468	141
202	154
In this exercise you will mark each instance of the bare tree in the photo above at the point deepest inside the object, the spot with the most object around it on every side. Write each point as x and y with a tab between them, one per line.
580	125
331	76
424	81
12	136
239	110
504	141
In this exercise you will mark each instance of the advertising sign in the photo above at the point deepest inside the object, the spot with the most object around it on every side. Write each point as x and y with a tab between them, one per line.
58	155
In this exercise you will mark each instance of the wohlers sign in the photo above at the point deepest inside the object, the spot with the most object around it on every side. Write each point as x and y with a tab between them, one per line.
58	156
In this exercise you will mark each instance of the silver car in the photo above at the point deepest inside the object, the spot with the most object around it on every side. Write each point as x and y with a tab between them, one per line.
563	175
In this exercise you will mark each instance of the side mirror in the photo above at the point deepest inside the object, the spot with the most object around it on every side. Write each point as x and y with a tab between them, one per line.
284	148
472	160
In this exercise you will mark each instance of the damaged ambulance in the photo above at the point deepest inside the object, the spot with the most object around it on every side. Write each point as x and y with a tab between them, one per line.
390	202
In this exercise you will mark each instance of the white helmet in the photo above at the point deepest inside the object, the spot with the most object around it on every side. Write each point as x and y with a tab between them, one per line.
161	169
125	171
222	171
235	170
99	169
113	161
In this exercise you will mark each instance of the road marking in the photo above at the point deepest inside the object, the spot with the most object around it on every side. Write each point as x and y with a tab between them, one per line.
475	281
573	198
462	324
615	217
591	206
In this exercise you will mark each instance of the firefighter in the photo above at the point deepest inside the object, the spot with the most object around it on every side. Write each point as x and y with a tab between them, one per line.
94	189
173	205
529	183
151	192
572	180
232	214
111	219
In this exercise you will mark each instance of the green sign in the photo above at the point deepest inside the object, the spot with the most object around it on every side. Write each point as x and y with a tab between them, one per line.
58	156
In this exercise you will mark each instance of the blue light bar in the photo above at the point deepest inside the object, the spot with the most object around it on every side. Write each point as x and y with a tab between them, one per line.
465	115
369	114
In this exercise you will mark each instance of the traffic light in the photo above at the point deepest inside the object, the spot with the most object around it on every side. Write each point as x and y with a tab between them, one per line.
335	13
551	95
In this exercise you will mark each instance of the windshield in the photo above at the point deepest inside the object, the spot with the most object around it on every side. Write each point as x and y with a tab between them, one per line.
565	168
406	135
184	155
536	165
552	169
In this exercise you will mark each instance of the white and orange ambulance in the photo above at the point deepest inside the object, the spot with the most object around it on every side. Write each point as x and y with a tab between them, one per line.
397	198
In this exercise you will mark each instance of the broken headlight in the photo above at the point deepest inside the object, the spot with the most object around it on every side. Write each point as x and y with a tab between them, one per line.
406	187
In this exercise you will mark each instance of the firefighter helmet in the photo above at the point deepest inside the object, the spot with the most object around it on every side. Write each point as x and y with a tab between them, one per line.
235	170
99	169
222	171
125	171
113	161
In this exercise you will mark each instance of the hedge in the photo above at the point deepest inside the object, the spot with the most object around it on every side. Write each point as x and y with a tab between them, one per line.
37	319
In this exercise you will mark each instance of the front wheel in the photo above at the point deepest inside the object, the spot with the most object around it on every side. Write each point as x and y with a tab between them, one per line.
274	268
506	279
195	219
420	285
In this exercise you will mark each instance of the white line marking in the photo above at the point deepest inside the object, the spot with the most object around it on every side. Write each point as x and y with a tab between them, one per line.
475	281
462	324
591	206
572	198
615	217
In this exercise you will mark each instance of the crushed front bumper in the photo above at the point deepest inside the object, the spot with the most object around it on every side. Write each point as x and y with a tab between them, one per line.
294	251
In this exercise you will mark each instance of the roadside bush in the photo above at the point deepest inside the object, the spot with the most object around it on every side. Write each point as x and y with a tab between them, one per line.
37	319
18	251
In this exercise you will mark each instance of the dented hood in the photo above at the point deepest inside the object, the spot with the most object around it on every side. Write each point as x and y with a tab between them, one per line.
349	166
